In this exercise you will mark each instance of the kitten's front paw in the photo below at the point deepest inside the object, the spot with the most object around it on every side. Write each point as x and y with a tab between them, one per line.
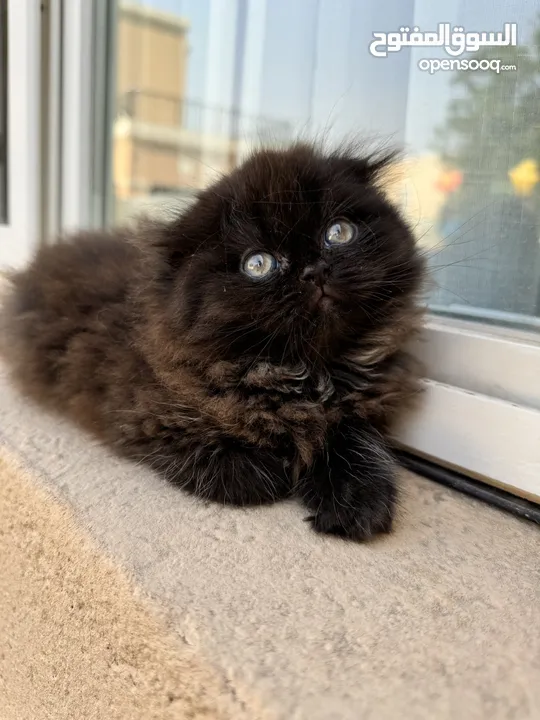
355	514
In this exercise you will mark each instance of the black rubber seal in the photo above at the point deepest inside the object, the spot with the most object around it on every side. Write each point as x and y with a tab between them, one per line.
494	496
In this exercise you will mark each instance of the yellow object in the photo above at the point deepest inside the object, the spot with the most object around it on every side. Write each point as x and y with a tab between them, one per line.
524	176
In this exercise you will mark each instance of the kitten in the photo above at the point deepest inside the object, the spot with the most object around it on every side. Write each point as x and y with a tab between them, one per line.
251	349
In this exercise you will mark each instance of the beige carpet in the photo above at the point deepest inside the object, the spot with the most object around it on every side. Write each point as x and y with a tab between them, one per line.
77	641
120	597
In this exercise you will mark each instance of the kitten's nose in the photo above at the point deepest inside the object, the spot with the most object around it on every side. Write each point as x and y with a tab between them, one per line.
316	273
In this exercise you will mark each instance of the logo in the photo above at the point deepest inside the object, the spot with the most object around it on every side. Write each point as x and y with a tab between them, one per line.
454	41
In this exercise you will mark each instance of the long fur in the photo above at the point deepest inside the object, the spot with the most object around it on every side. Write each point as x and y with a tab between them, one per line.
237	390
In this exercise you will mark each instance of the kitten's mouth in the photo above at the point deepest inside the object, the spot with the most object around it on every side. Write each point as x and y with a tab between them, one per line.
323	297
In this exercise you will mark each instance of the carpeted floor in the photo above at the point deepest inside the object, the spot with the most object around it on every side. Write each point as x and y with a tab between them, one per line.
120	597
77	641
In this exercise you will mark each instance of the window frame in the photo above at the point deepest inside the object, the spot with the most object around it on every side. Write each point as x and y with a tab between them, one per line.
481	410
20	235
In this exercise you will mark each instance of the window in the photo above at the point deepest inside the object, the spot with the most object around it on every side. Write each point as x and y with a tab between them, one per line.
196	83
19	130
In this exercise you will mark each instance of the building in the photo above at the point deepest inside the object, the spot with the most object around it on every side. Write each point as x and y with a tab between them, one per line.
164	142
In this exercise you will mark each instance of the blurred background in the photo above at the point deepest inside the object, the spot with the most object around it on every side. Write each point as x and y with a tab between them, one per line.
173	93
199	82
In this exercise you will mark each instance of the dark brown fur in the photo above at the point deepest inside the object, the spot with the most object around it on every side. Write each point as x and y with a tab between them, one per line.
238	390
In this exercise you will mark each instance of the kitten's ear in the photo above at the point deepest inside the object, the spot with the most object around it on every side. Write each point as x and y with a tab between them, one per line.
159	242
171	247
172	242
366	168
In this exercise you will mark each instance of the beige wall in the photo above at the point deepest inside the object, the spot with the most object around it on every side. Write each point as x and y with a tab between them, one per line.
122	166
155	166
151	73
152	58
153	148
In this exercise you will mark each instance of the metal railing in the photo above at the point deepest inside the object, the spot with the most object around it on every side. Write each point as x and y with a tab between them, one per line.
199	117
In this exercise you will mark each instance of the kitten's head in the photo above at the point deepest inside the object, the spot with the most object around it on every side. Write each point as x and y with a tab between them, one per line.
292	257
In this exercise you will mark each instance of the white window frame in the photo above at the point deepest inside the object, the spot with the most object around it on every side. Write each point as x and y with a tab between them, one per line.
20	236
481	411
78	192
76	104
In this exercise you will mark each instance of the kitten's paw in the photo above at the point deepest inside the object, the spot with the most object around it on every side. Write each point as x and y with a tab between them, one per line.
355	516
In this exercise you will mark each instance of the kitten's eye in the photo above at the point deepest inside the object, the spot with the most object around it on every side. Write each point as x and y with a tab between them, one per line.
339	233
259	265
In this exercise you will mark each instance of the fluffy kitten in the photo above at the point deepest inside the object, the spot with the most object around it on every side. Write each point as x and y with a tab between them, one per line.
250	349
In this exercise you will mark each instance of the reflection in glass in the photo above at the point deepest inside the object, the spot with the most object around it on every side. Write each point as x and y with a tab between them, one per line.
489	221
199	82
168	142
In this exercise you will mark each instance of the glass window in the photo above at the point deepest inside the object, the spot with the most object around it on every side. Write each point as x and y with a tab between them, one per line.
199	82
3	111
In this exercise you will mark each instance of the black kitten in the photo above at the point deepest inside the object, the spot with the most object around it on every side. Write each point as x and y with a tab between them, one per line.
251	349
